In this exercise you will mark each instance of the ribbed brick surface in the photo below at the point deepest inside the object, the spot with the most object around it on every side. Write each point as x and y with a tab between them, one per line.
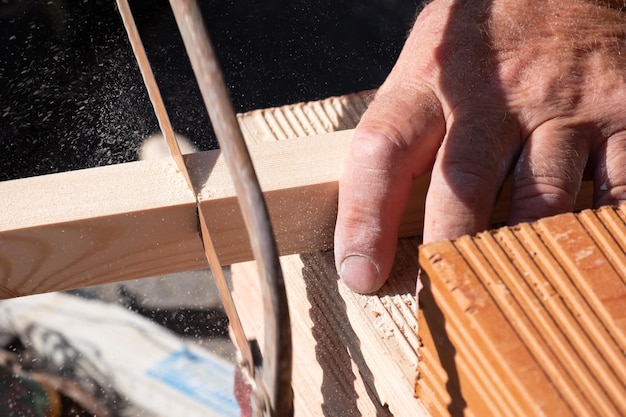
527	320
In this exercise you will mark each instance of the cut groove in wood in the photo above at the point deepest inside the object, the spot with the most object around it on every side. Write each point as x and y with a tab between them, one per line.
533	315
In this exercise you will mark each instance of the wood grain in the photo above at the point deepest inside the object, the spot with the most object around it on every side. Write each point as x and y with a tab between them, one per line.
354	355
96	226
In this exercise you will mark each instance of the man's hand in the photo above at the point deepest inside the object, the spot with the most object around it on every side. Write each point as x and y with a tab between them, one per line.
481	90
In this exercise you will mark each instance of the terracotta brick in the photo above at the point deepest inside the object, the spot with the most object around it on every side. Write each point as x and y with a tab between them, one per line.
527	320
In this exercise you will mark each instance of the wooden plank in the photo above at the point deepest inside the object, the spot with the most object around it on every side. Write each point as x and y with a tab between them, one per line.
149	366
527	320
138	219
96	226
354	355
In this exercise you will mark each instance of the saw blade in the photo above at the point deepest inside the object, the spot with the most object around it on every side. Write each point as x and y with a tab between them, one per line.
166	127
273	393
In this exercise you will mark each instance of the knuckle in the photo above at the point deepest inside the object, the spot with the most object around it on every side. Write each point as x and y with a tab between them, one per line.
381	148
545	196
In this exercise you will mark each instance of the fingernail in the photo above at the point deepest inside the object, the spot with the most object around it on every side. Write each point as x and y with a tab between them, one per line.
360	273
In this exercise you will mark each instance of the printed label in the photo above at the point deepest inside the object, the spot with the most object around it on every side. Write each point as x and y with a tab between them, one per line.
207	381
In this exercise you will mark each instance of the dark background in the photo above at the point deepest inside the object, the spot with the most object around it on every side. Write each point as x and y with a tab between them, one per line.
71	95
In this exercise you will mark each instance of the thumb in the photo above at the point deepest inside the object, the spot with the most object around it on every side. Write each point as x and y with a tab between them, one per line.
395	142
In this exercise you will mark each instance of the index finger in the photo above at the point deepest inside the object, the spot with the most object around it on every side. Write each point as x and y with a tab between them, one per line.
395	143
